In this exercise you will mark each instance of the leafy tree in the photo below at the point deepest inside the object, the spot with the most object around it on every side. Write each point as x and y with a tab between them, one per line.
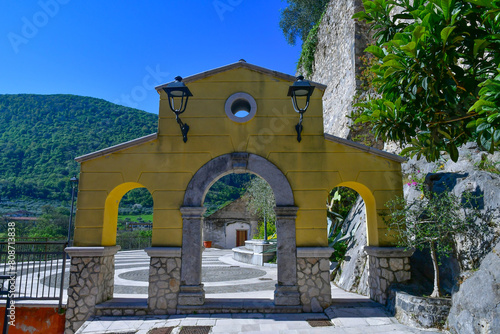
431	58
262	202
40	135
299	17
433	222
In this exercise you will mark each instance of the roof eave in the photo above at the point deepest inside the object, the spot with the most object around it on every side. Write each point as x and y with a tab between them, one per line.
368	149
242	64
117	148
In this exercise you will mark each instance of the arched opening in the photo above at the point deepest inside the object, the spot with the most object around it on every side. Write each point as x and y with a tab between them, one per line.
346	225
128	220
135	220
237	263
191	289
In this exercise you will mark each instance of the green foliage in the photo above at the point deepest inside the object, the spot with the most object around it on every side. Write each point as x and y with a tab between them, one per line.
139	196
226	190
261	200
431	59
52	224
261	203
306	59
271	230
488	165
487	122
40	135
299	18
338	205
138	239
340	248
427	220
433	221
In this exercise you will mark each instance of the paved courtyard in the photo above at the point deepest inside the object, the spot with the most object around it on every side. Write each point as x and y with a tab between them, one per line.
225	278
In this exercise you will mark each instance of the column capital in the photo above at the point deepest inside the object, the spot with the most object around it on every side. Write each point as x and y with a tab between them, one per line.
163	251
92	251
192	211
388	251
314	252
286	212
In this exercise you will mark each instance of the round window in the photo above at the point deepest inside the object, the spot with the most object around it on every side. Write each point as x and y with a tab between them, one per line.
241	107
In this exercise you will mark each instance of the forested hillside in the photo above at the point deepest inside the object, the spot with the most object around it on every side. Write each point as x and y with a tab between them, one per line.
40	135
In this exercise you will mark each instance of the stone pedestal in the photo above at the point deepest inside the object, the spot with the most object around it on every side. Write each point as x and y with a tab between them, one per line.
91	282
386	265
164	279
191	295
313	274
286	292
191	290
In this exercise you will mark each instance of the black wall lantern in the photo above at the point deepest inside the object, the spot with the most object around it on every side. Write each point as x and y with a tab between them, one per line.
178	93
302	89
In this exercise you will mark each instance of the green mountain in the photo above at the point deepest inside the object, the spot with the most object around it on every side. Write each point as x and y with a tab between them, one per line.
40	135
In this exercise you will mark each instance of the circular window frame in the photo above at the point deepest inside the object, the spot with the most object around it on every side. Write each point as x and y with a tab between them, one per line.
240	96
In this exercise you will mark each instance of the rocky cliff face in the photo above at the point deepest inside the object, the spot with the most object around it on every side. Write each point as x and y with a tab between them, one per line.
474	273
341	42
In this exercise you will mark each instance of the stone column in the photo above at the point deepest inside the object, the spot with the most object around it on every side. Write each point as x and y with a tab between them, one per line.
164	279
286	292
386	265
91	282
313	273
191	289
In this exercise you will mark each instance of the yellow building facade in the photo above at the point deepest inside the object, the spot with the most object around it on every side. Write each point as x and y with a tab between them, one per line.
178	174
165	165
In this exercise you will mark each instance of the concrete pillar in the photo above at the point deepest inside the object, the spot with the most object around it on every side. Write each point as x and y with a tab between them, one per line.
164	279
386	265
286	292
91	282
191	289
313	273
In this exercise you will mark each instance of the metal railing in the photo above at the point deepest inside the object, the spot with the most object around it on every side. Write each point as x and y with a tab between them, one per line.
40	268
130	243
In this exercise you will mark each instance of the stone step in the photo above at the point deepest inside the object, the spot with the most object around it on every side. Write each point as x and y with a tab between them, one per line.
139	307
122	307
222	305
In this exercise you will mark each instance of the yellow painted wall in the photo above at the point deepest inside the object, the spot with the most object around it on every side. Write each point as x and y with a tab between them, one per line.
166	165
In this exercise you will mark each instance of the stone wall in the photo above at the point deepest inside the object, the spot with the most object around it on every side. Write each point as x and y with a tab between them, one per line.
313	278
341	41
91	282
387	265
164	279
413	310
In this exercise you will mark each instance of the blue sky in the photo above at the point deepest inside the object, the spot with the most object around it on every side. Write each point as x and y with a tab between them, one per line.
120	50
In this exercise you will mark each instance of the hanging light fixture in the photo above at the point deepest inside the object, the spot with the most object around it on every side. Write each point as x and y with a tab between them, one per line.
303	90
178	94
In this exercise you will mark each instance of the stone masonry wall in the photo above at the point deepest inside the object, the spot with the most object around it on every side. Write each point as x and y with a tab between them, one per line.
386	268
91	282
164	285
341	40
314	283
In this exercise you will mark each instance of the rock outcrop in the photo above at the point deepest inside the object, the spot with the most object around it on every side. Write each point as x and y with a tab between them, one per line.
476	305
353	273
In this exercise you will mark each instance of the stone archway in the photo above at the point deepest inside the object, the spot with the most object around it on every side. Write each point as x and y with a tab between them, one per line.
191	288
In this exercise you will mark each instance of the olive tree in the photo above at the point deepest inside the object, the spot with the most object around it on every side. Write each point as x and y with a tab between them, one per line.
433	222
